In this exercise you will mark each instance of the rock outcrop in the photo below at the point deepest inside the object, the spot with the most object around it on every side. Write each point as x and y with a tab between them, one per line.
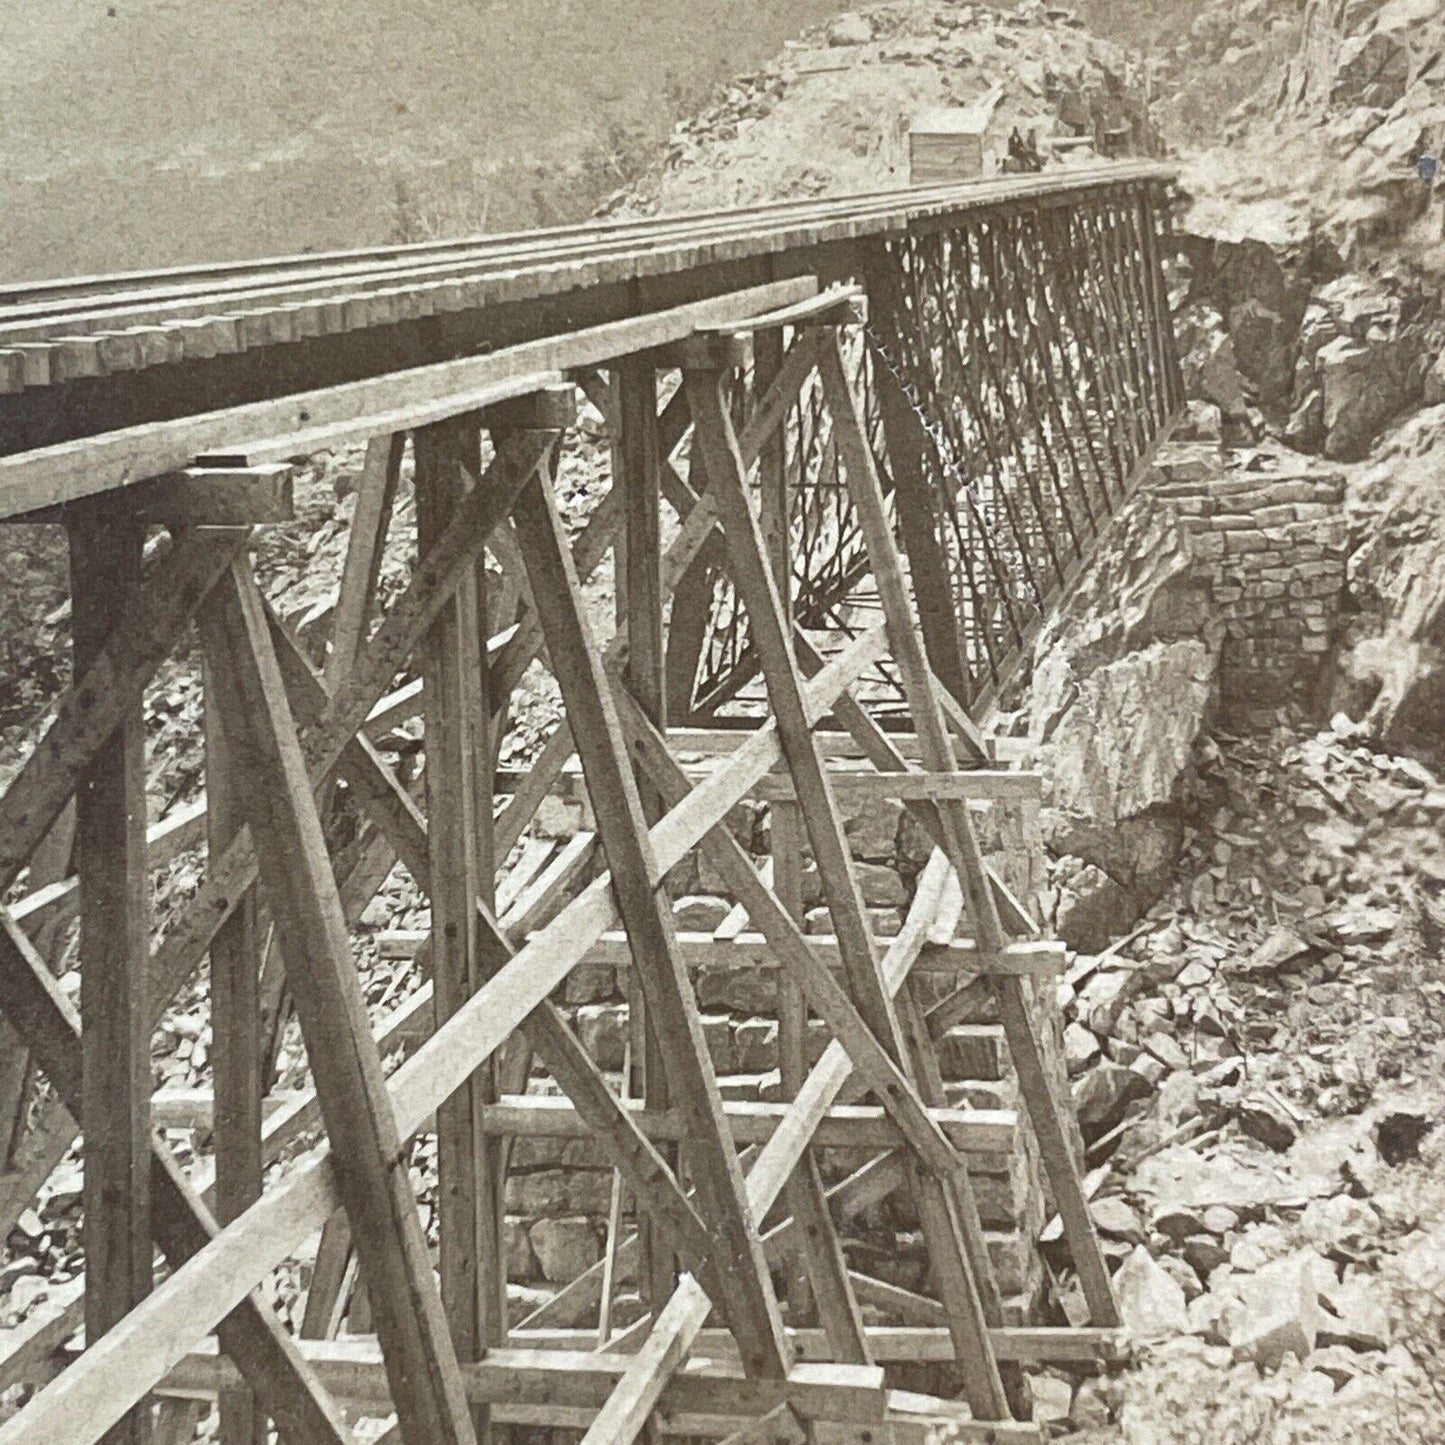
1123	683
1392	664
1372	369
1277	335
1309	227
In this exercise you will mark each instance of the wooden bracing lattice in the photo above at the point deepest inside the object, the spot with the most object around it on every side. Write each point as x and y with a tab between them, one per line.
738	1247
1016	373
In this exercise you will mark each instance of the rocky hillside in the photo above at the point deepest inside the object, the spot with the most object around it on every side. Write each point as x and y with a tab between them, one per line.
1332	100
830	115
1310	300
1314	246
1259	900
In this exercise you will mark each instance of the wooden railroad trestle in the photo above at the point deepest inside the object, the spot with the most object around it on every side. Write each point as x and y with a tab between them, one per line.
775	385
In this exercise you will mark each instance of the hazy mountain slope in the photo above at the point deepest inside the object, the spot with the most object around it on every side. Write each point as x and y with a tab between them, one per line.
146	132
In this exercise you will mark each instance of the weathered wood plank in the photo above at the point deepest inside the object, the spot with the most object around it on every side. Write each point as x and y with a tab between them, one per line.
636	474
333	1276
852	787
752	952
821	1390
365	548
233	496
891	1343
468	1227
524	1116
852	1126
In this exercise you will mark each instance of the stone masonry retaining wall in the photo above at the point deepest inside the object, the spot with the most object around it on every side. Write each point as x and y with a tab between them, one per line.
1273	547
558	1191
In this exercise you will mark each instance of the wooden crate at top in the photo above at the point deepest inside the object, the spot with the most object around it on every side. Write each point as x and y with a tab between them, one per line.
946	145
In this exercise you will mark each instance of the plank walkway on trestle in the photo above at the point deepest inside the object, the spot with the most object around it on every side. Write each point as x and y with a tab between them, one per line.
861	449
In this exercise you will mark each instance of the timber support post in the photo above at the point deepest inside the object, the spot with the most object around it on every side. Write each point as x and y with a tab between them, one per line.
114	883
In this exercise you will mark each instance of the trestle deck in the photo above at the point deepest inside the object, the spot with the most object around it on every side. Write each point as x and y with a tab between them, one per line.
782	673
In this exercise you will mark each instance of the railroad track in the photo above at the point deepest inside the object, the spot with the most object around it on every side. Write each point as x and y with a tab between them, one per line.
54	332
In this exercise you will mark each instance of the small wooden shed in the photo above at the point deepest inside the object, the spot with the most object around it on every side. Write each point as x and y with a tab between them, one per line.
948	144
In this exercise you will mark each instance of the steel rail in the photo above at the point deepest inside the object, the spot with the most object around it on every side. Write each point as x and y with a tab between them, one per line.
35	309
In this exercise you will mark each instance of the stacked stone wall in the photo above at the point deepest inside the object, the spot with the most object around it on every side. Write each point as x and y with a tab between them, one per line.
558	1191
1272	549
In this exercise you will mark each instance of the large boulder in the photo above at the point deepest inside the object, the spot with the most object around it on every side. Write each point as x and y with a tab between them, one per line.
1278	1313
1364	385
1123	682
1141	588
1435	382
1121	749
1361	357
1305	431
1357	55
1363	307
1151	1301
564	1248
1116	760
1092	908
850	29
1206	356
1366	359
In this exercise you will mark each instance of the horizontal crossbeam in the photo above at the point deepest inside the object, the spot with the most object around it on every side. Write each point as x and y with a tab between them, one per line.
352	1371
533	1116
852	789
894	1344
749	952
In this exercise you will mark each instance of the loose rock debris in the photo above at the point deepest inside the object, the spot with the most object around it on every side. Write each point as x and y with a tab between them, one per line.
1253	1070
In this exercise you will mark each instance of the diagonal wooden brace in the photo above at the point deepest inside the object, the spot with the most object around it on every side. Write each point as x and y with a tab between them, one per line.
872	1061
185	1306
301	890
228	876
394	810
957	1256
747	1296
962	843
91	710
260	1344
